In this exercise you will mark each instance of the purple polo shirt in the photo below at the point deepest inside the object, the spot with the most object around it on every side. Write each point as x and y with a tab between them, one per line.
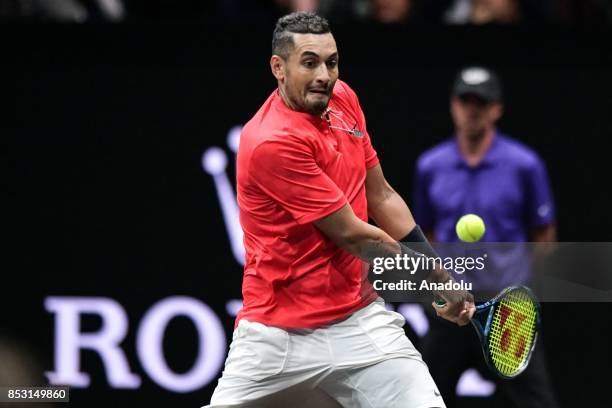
509	189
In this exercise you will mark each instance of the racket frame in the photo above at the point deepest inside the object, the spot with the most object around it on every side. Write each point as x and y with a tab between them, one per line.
489	308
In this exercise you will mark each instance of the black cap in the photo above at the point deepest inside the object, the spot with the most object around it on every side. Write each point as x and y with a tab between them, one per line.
478	81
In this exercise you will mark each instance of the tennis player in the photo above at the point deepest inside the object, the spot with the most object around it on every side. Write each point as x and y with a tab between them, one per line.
312	329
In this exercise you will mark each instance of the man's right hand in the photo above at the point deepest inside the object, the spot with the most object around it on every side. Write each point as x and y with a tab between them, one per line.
458	308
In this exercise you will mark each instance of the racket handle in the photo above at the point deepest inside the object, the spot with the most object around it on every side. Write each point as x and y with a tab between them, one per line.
439	301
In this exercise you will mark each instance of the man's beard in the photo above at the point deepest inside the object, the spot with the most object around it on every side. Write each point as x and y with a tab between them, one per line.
317	108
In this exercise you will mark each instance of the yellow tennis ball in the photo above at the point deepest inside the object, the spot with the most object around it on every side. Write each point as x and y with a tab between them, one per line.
470	228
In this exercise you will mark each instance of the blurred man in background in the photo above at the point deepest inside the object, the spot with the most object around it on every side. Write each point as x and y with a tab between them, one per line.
499	11
392	11
481	171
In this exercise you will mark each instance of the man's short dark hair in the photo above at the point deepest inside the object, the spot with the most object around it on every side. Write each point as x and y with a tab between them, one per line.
299	22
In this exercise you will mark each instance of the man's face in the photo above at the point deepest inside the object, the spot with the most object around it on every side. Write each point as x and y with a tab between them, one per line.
473	116
307	77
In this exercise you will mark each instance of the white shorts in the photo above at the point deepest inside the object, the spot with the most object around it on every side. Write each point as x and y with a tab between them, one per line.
365	360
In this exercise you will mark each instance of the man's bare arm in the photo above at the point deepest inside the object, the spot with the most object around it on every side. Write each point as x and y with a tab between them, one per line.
366	241
545	233
359	238
389	210
386	206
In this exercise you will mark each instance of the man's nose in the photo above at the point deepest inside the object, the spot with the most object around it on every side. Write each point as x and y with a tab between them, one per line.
322	75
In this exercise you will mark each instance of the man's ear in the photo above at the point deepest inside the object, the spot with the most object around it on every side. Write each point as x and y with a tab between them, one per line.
498	111
277	65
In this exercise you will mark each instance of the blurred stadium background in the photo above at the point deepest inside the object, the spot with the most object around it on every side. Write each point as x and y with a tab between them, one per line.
120	117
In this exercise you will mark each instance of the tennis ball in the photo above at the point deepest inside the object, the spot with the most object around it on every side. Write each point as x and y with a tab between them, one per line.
470	228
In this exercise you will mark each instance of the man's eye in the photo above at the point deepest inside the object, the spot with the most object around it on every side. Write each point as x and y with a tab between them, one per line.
309	63
332	63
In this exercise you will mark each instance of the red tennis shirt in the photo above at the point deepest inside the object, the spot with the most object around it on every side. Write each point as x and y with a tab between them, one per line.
293	169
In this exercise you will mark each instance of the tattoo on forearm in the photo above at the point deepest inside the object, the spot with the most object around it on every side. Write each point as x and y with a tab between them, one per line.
378	249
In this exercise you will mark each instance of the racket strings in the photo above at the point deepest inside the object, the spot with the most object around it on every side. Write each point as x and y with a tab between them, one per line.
513	331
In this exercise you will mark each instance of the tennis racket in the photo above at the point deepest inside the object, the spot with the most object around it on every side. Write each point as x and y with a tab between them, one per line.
507	326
